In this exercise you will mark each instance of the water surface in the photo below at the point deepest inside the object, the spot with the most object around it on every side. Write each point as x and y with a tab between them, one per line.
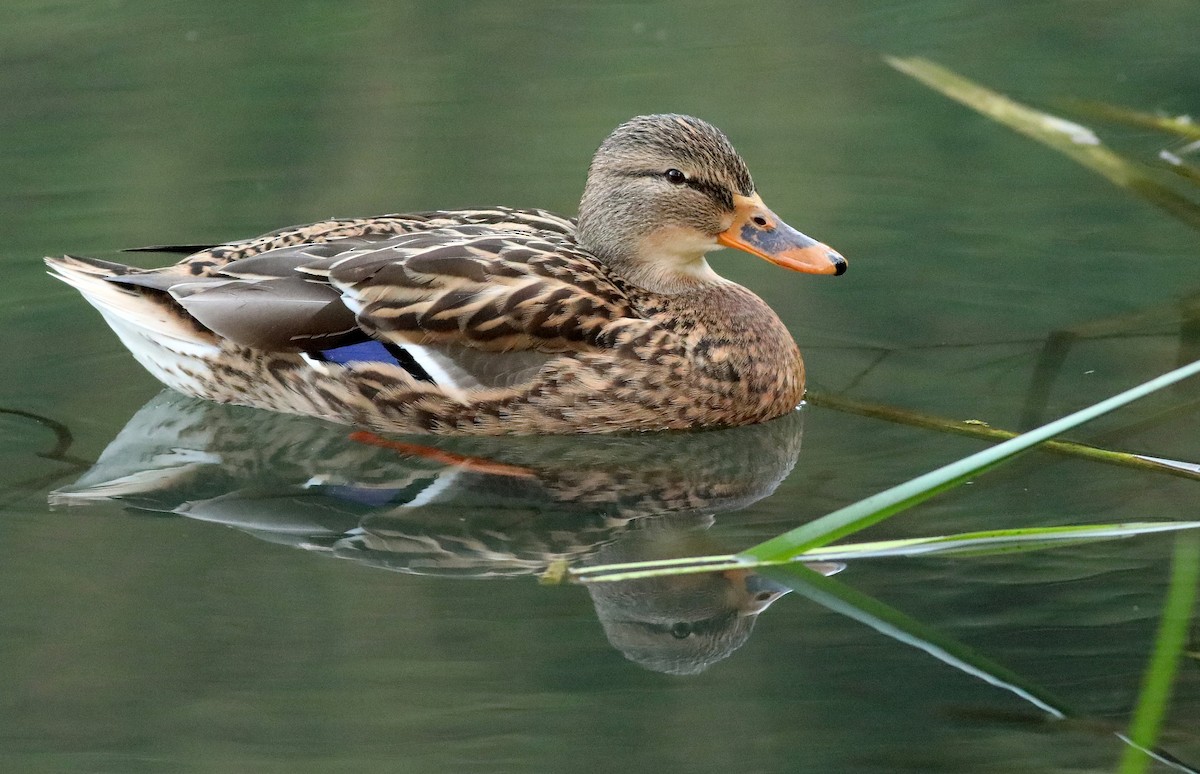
239	606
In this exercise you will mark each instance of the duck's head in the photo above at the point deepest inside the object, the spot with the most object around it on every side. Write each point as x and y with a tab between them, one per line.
663	190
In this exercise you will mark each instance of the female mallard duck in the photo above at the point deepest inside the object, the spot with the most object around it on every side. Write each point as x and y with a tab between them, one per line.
490	321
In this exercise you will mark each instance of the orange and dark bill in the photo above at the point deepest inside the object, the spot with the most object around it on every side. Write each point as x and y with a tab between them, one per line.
759	231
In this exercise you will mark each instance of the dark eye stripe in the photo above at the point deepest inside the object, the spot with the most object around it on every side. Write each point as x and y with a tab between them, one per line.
714	191
717	193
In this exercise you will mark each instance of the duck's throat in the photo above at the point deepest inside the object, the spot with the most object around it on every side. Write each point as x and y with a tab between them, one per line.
670	261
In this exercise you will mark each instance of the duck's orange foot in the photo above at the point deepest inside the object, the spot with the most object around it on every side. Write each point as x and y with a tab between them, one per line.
464	461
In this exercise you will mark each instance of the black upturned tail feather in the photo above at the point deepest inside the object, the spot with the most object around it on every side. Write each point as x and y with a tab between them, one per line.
182	249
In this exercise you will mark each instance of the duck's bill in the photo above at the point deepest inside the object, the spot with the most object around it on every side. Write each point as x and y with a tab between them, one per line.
758	231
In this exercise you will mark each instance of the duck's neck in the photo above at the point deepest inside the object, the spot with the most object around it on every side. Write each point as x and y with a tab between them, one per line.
668	262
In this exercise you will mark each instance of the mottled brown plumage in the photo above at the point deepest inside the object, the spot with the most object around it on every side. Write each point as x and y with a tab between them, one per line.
491	321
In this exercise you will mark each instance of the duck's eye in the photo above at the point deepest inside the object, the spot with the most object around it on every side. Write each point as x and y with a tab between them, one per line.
681	630
675	177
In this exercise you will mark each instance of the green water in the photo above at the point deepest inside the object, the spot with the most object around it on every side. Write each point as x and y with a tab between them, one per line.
147	635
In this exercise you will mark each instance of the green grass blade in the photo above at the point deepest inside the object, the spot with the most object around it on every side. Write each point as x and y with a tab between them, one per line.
657	568
872	510
992	541
979	543
1175	163
1168	646
1071	139
890	622
976	429
1180	126
886	620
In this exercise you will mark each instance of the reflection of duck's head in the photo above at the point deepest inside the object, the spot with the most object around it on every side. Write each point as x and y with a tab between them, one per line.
680	624
685	625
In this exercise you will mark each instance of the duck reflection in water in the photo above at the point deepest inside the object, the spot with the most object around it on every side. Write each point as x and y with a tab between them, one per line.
680	624
473	507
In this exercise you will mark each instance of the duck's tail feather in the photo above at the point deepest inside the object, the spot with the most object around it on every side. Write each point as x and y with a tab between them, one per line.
181	249
149	323
151	312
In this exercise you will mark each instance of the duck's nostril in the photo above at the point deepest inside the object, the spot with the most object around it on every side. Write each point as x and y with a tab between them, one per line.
759	221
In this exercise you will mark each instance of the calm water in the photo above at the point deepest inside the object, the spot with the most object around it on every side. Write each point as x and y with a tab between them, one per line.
146	634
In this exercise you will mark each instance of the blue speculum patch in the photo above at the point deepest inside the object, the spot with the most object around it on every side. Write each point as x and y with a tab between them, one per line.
363	352
376	352
363	495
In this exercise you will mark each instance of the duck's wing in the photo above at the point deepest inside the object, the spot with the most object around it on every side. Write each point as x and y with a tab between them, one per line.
467	305
251	292
478	288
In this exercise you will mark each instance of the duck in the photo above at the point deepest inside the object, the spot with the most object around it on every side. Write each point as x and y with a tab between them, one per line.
493	321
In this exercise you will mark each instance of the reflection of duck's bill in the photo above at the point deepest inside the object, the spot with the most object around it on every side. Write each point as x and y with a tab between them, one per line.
826	568
764	592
